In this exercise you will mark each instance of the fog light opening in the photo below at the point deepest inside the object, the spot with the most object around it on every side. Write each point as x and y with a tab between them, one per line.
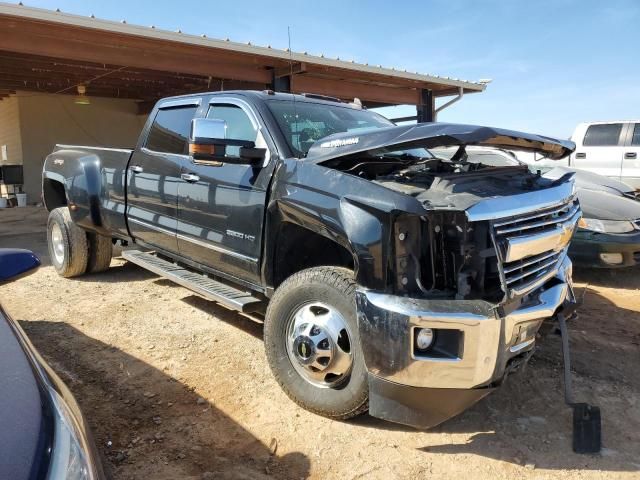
424	339
612	258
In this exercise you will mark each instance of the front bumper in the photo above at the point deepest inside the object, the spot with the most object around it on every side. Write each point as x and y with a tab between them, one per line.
586	247
425	390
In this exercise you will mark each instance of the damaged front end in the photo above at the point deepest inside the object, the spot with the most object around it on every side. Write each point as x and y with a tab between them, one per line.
471	280
483	287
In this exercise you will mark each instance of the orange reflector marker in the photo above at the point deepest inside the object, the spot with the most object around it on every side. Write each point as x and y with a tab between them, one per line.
206	149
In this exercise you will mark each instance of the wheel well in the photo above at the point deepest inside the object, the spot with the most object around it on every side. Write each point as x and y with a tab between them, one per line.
298	248
53	194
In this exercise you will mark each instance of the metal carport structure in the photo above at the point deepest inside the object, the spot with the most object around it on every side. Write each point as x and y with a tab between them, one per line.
50	51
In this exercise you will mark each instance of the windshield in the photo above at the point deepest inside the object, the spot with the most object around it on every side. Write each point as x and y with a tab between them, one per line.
304	123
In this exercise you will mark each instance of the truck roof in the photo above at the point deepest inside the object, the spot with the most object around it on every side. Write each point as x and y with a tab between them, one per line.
606	122
266	95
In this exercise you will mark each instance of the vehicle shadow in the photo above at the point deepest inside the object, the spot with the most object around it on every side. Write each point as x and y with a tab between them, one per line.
247	325
176	433
119	272
628	278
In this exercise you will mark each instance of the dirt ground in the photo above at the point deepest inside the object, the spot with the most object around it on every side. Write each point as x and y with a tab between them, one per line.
175	387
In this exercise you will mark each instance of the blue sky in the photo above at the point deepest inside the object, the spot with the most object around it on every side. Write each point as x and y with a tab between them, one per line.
553	63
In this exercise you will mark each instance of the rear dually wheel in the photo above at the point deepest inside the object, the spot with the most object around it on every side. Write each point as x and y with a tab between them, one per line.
68	246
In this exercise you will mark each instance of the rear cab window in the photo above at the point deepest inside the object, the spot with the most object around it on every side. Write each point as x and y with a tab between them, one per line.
603	135
169	132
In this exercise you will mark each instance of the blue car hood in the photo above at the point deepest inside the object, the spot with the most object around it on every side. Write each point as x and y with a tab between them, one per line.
21	409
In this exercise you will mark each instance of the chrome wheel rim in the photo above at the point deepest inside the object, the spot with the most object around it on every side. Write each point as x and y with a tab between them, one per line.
319	345
57	243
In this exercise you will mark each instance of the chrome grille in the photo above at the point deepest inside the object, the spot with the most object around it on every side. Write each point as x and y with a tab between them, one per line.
530	247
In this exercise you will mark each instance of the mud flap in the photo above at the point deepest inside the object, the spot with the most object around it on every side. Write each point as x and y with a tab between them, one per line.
587	427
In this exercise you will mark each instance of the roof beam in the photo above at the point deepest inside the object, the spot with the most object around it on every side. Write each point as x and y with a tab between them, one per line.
15	67
38	63
97	91
132	92
71	79
350	90
293	69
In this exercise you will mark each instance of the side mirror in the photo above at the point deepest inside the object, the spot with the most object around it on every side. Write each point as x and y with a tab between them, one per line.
16	263
208	142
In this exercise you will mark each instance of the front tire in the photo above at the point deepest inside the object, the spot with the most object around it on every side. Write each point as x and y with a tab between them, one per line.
68	246
312	342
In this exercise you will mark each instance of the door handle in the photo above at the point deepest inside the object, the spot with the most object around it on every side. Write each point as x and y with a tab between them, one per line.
581	155
190	177
631	155
136	168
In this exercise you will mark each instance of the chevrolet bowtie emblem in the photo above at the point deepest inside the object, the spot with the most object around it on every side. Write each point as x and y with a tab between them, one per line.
567	232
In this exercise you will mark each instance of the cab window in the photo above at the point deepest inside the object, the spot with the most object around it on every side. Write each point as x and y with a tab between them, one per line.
169	132
604	135
635	139
239	125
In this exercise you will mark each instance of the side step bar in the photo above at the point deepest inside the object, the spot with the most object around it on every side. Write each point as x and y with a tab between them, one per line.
219	292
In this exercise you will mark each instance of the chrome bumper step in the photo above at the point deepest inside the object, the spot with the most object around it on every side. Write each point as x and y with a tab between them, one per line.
210	289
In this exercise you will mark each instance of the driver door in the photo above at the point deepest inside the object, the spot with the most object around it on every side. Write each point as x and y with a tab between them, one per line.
221	207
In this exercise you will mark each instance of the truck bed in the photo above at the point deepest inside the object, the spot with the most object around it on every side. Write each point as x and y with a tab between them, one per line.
85	169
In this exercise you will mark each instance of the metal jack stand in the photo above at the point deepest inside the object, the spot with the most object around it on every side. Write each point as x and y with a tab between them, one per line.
587	428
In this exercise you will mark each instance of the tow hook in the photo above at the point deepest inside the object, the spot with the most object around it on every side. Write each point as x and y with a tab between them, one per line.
587	427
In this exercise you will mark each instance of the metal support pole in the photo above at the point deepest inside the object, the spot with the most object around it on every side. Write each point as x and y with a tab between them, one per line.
426	110
281	84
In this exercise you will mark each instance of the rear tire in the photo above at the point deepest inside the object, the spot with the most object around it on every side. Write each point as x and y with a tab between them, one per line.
320	370
100	252
68	246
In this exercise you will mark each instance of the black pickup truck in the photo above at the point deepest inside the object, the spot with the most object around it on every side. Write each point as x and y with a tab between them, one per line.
388	279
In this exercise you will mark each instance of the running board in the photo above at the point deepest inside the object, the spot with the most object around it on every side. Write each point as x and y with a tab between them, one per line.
210	289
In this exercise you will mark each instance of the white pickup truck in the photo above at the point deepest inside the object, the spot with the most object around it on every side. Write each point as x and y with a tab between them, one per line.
611	149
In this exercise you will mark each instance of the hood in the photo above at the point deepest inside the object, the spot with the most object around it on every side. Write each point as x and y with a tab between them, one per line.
604	205
431	135
591	181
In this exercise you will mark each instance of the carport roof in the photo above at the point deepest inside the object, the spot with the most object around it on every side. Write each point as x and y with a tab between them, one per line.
51	51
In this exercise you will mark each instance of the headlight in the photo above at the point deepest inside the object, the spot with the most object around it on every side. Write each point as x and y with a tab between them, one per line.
606	226
69	456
